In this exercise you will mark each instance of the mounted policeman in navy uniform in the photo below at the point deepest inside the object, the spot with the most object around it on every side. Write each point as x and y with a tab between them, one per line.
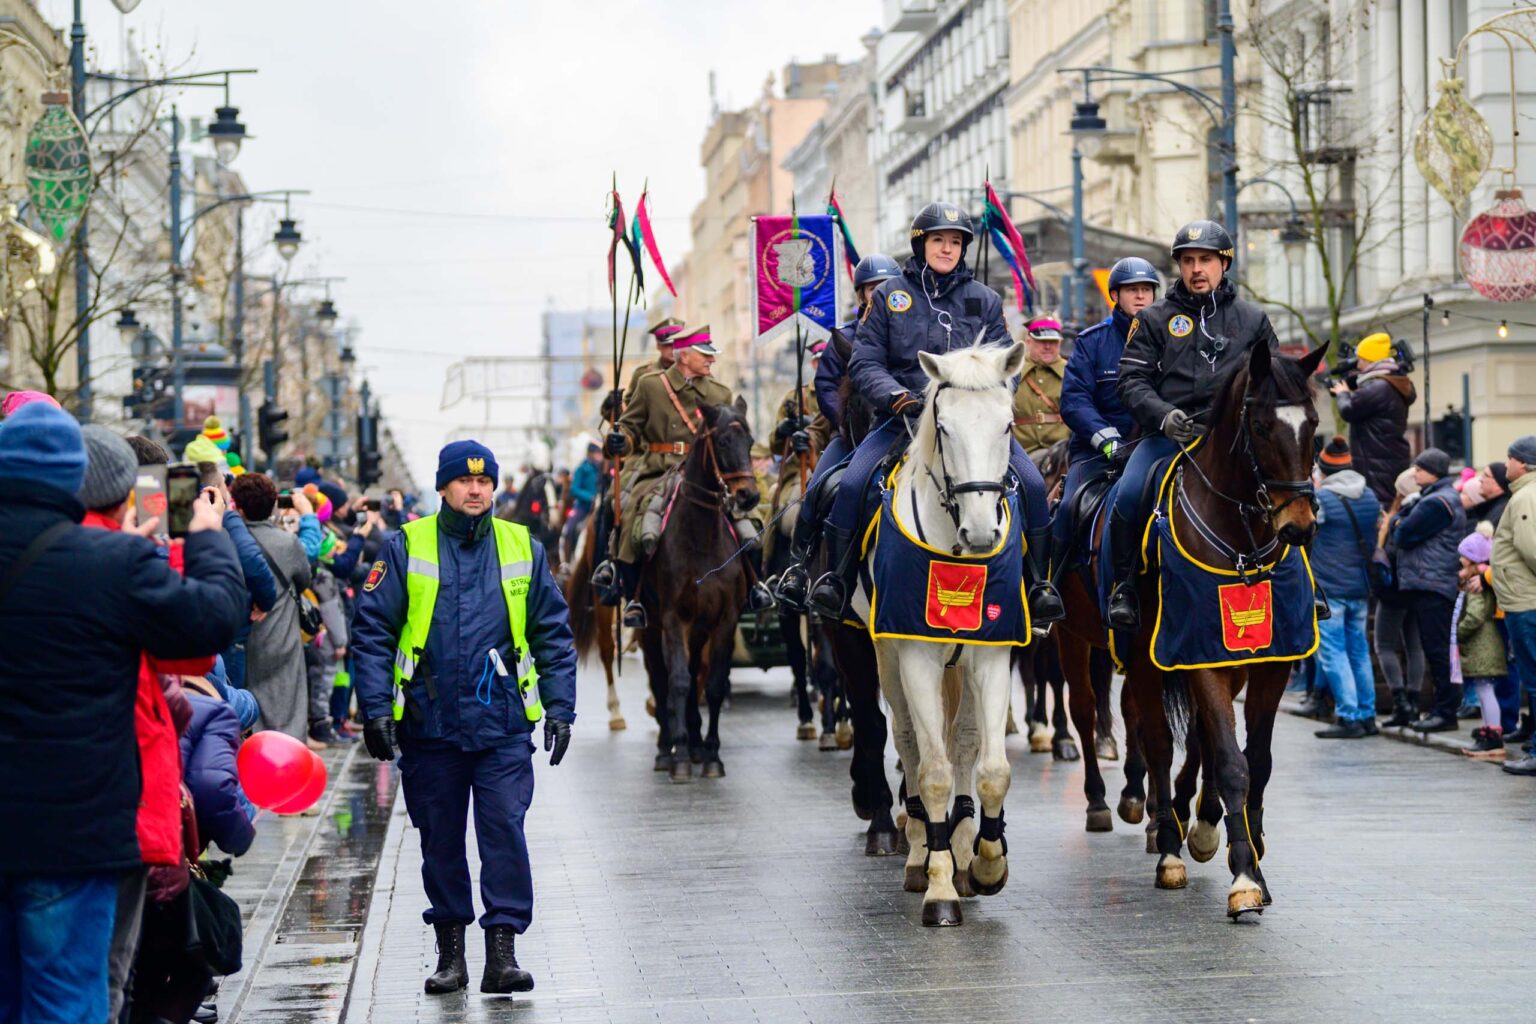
462	643
934	306
1176	352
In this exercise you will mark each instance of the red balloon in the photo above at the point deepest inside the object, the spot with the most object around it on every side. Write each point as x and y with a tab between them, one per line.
274	767
311	792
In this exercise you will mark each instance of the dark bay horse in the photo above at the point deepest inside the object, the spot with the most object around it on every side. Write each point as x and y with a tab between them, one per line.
1248	487
538	508
693	589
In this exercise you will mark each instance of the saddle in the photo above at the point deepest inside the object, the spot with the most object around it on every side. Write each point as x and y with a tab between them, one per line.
1082	513
1145	512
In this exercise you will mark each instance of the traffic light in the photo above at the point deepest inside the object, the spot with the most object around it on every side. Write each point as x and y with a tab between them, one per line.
269	431
369	468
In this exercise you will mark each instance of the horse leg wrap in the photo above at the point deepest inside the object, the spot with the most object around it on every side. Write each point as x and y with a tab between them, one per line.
965	807
1170	831
992	831
915	809
1239	831
938	838
1256	833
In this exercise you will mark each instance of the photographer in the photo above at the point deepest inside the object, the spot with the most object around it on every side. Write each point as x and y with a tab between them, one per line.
1374	402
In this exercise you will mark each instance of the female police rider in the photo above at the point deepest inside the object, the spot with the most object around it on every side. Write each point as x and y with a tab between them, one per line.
935	305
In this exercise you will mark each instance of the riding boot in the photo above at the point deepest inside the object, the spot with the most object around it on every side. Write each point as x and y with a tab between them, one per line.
605	582
502	974
1124	612
794	583
452	972
1045	605
759	597
629	585
830	594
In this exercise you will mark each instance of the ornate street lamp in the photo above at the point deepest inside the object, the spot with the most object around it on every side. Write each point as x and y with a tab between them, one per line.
59	176
1294	240
1088	128
128	327
227	133
326	312
287	239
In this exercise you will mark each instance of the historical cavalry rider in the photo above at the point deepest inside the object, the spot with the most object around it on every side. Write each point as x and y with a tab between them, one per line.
461	643
1090	397
794	584
1177	350
935	306
802	429
1037	422
655	433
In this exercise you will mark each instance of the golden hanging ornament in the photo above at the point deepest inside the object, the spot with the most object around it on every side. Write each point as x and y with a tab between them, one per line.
1453	145
25	258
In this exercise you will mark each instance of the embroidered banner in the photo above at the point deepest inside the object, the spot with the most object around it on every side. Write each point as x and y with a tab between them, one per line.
962	600
1209	618
794	271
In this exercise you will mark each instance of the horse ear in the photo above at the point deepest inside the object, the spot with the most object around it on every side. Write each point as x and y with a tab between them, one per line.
842	345
1013	361
931	365
1258	361
710	413
741	407
1312	360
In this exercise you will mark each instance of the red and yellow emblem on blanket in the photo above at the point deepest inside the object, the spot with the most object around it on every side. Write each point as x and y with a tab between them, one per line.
955	596
1247	616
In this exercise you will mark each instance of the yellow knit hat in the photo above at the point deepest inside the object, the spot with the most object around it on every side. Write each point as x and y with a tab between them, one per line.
1374	347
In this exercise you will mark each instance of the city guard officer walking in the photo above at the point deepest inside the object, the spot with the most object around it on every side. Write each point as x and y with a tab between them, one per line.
462	643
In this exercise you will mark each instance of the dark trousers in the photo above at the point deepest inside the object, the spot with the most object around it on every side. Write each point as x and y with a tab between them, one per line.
1133	482
1433	614
806	523
891	435
438	778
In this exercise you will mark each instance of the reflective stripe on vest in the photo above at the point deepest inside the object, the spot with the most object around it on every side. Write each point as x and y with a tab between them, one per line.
514	553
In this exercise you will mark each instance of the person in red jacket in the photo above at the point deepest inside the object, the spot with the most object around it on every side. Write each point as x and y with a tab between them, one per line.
160	713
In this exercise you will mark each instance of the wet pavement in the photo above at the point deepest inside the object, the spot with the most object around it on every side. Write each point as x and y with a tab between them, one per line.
1402	880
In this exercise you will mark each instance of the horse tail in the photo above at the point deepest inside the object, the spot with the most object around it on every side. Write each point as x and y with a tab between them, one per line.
579	596
1178	704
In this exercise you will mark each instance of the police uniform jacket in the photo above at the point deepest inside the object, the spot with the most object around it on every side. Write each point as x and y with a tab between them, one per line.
829	378
903	320
1037	422
1090	396
1181	345
652	420
470	618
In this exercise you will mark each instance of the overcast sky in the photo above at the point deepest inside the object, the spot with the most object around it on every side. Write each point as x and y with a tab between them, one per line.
459	152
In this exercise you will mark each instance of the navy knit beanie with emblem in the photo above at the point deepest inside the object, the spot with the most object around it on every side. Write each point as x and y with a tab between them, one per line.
465	458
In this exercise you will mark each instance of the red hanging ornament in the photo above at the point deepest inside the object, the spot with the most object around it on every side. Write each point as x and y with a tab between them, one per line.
1498	249
592	380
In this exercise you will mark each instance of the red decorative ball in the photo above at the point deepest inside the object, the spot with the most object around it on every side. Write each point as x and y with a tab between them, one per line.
310	793
274	768
592	380
1498	249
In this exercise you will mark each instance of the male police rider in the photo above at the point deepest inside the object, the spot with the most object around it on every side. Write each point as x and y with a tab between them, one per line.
935	306
462	638
1176	351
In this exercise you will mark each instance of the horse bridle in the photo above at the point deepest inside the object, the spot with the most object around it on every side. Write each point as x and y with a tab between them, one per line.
707	438
949	491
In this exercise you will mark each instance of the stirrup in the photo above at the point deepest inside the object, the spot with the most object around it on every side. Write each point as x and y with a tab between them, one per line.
1123	612
605	575
634	615
829	596
1045	604
792	588
759	597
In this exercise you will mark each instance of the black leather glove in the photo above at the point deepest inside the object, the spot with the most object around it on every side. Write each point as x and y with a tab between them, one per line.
379	736
784	429
557	736
800	442
1177	426
614	444
907	404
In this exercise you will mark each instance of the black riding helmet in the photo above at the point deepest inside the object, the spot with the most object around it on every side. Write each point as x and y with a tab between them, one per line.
941	216
1207	235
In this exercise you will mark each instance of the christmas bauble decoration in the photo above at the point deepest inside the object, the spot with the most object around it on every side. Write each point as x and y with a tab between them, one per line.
1452	145
25	259
1498	249
592	380
59	176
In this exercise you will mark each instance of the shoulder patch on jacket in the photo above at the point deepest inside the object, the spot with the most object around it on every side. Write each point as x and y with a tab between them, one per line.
375	575
1135	326
898	301
1181	326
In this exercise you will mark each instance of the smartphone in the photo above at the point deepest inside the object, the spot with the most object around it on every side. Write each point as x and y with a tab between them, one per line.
374	505
149	495
285	500
182	486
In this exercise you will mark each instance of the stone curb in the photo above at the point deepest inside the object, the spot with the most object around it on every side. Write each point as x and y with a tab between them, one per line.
358	1007
1457	743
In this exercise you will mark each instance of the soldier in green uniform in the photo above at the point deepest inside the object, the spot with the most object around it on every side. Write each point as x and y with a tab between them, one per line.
654	434
1037	422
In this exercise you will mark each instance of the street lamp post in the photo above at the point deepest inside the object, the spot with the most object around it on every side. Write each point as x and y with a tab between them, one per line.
83	395
1087	130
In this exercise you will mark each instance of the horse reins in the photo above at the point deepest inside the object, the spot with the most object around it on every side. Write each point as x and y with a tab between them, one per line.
707	438
949	491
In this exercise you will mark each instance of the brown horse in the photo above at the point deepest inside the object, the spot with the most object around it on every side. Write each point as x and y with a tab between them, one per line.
693	588
1248	488
591	620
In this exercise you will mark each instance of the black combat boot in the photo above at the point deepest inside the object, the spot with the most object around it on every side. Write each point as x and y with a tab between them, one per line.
794	583
629	586
501	971
452	972
1124	610
1045	605
1403	711
830	594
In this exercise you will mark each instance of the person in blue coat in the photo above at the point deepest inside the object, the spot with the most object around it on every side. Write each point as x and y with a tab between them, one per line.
463	586
1090	399
209	748
935	306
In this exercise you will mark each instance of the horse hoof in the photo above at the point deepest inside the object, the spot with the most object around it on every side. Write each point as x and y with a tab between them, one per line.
1066	750
845	735
1204	840
1171	873
806	731
827	742
1099	820
1131	810
963	888
650	706
663	763
682	771
915	879
942	914
713	770
1108	749
1040	742
1248	900
617	725
983	887
880	844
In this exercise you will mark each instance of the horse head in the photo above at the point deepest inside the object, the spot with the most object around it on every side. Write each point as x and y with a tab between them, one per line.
728	441
1277	419
963	437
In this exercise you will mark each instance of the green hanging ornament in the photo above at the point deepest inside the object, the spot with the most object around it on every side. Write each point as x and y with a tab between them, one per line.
59	176
1453	146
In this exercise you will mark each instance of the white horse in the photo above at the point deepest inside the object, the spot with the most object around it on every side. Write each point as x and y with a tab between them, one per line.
951	484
